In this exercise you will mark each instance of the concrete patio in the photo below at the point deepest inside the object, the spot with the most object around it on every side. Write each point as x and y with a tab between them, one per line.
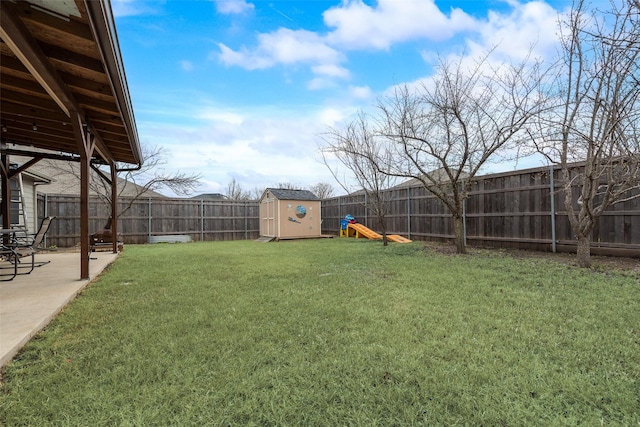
29	302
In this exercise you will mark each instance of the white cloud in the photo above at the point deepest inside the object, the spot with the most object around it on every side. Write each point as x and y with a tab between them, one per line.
530	26
233	7
360	26
527	30
283	46
260	147
331	70
332	116
360	92
319	83
226	117
354	25
186	65
357	25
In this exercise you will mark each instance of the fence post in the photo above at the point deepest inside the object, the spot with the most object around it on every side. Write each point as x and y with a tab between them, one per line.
464	215
202	220
246	222
366	211
464	220
553	209
409	213
149	224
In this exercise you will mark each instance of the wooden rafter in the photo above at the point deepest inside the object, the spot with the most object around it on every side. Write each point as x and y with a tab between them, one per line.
19	40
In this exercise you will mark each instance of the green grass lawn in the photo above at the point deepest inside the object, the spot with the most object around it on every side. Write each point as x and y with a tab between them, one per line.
334	332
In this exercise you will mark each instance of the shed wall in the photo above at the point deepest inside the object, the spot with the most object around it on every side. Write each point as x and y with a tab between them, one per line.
293	224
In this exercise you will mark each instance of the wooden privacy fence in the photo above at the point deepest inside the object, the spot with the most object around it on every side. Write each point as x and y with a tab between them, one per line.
509	210
514	210
148	217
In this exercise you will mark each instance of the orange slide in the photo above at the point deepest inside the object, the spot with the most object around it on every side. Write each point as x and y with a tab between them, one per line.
360	231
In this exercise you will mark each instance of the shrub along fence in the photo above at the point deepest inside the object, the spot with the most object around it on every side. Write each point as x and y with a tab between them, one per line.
149	217
519	209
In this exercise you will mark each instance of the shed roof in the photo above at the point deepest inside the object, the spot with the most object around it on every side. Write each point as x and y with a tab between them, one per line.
286	194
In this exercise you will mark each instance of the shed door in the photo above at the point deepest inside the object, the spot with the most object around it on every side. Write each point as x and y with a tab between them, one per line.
269	216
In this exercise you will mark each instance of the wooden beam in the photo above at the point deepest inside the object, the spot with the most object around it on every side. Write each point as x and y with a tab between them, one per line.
43	102
56	24
17	37
21	85
12	111
24	167
102	148
40	155
101	174
14	33
86	145
43	130
65	56
114	206
6	194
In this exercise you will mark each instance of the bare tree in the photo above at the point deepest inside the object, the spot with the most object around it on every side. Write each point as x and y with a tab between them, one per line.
597	117
235	191
323	190
445	132
288	186
257	192
135	183
364	154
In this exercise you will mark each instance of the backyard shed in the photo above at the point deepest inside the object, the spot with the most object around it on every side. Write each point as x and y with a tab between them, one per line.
289	214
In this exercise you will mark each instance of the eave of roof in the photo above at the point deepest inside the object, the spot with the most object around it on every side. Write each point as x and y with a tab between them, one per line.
60	56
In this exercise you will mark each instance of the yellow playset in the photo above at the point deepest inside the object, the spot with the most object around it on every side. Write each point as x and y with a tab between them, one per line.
350	228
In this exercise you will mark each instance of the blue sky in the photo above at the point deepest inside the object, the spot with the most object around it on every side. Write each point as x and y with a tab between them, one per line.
234	89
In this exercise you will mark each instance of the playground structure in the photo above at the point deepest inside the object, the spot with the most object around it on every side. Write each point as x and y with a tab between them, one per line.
349	229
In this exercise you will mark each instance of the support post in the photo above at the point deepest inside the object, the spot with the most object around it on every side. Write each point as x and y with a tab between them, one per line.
86	145
6	195
114	206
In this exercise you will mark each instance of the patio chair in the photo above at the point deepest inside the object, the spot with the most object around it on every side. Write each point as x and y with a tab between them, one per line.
8	262
25	246
104	238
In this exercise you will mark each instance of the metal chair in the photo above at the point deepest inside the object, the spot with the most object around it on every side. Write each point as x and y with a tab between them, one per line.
8	259
24	247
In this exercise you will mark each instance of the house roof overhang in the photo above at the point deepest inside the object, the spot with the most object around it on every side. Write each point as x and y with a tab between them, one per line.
60	59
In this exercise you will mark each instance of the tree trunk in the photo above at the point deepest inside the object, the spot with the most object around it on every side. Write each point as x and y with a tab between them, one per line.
385	240
458	230
584	252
